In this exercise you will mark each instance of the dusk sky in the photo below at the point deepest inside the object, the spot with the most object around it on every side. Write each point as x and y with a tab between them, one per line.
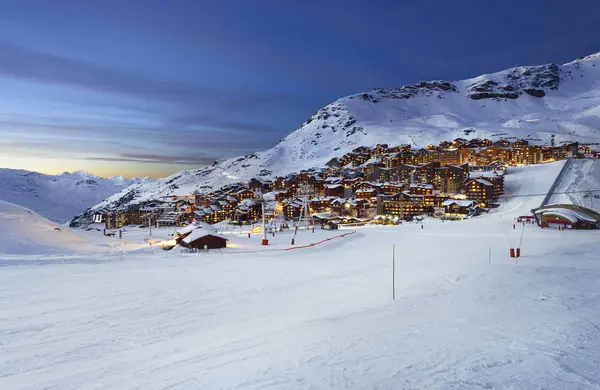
147	88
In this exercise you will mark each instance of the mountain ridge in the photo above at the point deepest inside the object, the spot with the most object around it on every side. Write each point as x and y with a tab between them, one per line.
57	197
538	103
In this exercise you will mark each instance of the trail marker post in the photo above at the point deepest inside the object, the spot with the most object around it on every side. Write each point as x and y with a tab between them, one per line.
393	272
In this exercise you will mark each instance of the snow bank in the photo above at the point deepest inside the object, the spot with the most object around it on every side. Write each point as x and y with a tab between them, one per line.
24	232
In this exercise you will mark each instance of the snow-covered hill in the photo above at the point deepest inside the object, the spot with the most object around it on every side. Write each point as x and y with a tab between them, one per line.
24	232
61	197
534	102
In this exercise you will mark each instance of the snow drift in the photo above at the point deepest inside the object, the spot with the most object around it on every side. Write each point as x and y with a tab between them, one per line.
24	232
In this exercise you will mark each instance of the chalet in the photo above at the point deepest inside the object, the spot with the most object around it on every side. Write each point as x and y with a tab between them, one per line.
243	194
334	179
346	207
527	155
303	177
186	203
480	190
402	209
424	156
201	239
248	210
450	178
318	185
459	209
365	193
392	188
120	218
421	189
291	192
350	182
100	215
200	215
362	149
430	201
380	149
292	209
423	173
362	185
227	208
171	219
459	141
111	221
258	185
336	190
520	143
321	204
186	230
449	156
351	173
466	155
279	184
494	177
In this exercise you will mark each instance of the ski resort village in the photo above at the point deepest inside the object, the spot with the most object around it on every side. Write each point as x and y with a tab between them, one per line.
370	185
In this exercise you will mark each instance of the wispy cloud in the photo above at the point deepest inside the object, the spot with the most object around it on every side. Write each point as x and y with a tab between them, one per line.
22	63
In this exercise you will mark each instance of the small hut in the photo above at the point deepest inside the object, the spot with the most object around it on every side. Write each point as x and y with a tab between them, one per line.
202	239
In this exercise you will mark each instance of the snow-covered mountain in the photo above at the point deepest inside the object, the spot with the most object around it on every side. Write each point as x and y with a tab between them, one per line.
61	197
531	102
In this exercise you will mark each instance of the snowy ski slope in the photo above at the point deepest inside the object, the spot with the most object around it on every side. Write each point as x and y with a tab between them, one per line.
323	317
580	185
24	232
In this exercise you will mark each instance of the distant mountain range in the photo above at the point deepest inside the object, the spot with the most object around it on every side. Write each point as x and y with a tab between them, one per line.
58	197
537	103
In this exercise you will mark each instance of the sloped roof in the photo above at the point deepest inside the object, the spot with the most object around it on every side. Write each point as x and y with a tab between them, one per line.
568	214
461	203
199	233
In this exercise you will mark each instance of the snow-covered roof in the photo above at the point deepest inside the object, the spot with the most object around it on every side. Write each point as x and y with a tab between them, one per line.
487	174
461	203
484	182
169	217
364	190
421	185
323	198
332	186
343	200
199	233
568	214
371	161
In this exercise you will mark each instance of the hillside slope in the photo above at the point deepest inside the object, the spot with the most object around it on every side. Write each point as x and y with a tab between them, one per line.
537	103
24	232
580	185
59	197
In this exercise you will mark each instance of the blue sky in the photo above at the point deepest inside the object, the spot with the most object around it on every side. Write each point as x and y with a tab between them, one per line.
146	88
